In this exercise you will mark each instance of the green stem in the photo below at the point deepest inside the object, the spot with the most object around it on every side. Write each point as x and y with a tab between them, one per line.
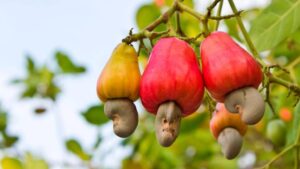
178	26
297	149
219	14
197	15
142	35
218	18
246	35
283	152
290	86
191	11
163	18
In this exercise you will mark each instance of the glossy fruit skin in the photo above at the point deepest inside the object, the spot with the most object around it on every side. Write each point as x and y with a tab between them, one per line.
226	66
222	119
172	74
276	132
120	77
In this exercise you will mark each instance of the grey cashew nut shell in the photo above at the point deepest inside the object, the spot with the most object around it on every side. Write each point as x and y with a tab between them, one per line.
167	123
124	115
231	142
248	102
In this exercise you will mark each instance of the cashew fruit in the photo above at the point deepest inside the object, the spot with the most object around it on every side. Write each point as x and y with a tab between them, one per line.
171	86
228	129
232	76
276	132
118	87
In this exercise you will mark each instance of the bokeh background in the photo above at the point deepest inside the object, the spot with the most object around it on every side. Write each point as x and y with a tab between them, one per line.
70	41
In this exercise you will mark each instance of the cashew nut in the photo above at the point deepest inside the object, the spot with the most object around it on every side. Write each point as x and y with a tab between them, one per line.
124	115
247	101
231	142
167	123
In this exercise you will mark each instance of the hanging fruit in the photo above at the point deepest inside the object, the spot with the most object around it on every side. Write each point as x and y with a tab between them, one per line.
171	86
232	76
118	87
228	129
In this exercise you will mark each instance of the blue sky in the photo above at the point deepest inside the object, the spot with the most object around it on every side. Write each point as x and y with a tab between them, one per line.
87	30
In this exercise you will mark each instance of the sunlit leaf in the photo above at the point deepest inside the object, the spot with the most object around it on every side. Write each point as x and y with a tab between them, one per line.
293	132
30	91
146	14
3	120
95	115
74	147
192	123
30	65
11	163
66	65
232	27
189	25
275	23
31	162
9	140
189	3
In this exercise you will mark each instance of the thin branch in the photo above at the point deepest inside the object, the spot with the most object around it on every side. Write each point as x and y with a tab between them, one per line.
218	18
219	14
164	17
268	100
178	26
142	35
191	11
213	5
290	86
283	152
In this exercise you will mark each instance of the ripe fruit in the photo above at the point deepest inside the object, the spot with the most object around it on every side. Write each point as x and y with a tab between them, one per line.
228	129
171	86
285	114
118	86
232	76
276	131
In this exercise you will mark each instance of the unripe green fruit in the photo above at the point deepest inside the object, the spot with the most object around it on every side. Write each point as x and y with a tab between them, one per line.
276	132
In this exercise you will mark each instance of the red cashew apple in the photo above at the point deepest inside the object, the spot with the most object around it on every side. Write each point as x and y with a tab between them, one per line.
228	129
232	76
171	86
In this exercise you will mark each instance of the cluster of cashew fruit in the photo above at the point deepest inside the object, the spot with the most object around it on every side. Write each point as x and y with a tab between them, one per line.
172	87
232	77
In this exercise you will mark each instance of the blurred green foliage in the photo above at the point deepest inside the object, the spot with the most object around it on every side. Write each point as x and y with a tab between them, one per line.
275	28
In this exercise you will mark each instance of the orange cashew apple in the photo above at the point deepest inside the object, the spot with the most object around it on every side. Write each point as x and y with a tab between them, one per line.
228	129
118	87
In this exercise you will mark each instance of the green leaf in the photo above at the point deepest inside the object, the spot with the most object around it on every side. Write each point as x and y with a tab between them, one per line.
31	162
30	65
3	120
189	3
146	14
95	115
275	23
30	91
232	27
11	163
66	65
74	147
9	141
190	26
190	124
292	133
